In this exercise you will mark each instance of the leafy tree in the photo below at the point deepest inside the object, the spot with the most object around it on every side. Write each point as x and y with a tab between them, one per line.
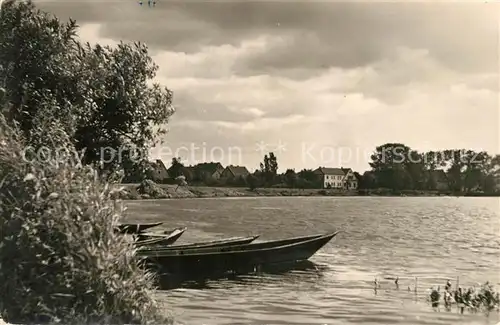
101	95
430	181
476	168
362	180
273	163
489	184
367	180
434	160
177	167
308	175
416	168
456	168
269	168
252	182
290	178
62	261
389	163
397	166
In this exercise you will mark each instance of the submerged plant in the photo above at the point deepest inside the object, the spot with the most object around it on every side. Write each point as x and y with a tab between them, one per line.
60	260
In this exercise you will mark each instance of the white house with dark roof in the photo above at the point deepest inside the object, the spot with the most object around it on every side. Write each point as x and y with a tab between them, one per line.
338	178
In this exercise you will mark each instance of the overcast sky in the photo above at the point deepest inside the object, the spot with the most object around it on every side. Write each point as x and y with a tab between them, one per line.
313	81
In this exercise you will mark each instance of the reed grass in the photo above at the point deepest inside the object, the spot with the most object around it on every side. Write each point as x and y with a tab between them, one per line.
60	260
480	298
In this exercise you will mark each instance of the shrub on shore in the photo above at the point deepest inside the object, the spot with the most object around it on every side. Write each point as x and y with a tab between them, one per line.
60	260
150	189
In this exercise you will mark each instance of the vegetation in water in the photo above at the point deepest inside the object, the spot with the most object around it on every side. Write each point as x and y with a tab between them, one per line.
485	298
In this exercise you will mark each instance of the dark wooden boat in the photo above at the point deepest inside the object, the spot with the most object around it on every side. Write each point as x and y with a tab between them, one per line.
209	244
230	247
162	234
136	228
235	259
160	240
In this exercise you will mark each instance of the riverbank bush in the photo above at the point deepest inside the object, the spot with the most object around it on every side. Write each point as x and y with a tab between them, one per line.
151	190
60	260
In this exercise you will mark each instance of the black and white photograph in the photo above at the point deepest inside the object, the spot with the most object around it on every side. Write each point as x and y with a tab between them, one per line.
267	162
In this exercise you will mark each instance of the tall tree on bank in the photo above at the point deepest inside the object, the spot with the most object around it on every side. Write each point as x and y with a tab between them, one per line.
389	163
101	95
269	168
290	178
177	167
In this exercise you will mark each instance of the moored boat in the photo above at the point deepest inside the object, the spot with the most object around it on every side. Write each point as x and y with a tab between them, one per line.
136	228
230	247
166	233
209	244
160	240
169	236
238	259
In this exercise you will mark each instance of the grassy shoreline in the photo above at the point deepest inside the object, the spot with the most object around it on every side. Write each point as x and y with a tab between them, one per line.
174	192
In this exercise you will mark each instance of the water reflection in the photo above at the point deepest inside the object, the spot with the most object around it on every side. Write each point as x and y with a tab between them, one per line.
303	271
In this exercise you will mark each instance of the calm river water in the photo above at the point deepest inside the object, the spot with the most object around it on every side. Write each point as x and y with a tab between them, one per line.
430	238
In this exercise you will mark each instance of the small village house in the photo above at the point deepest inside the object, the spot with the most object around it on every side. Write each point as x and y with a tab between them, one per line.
234	172
187	171
159	172
208	170
337	178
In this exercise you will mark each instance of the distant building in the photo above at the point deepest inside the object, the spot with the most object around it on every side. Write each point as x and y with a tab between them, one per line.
234	172
212	169
338	178
438	176
159	172
189	172
186	171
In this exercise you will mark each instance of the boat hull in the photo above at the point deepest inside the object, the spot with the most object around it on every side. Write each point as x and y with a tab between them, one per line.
238	260
230	247
161	240
210	244
136	228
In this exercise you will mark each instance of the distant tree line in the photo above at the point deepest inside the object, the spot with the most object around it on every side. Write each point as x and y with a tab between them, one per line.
398	167
394	167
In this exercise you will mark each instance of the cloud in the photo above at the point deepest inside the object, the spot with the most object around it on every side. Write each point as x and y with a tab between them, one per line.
327	78
461	35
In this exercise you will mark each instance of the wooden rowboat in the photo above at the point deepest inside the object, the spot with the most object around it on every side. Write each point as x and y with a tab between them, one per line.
160	240
136	228
231	247
236	259
210	244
